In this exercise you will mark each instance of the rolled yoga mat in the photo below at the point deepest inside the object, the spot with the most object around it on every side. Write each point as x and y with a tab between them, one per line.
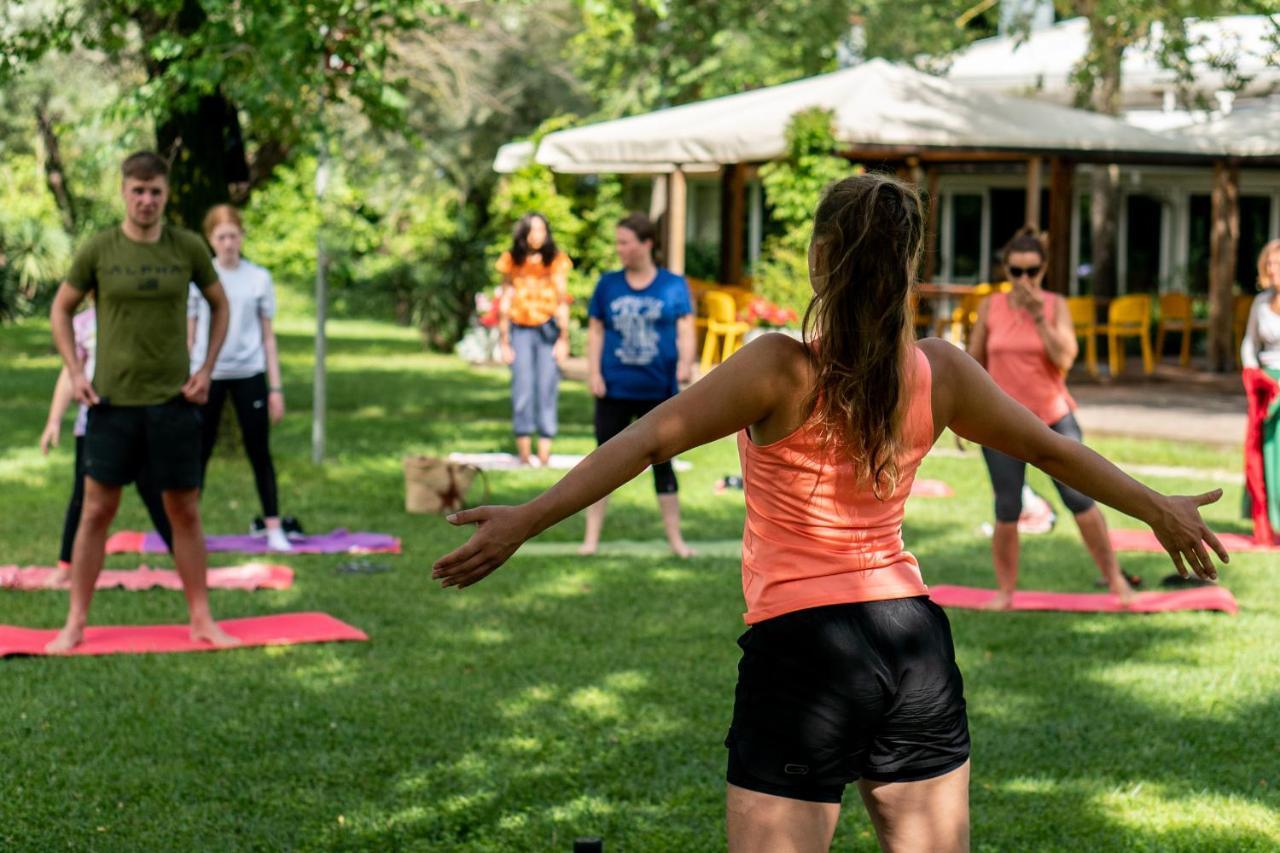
337	541
1201	598
282	629
248	576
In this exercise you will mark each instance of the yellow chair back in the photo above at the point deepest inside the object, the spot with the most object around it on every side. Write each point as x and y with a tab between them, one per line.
1175	308
721	307
1084	312
1132	312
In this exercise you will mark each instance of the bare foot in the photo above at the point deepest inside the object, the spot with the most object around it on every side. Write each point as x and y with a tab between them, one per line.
587	549
681	550
1121	590
1000	601
68	638
544	461
210	633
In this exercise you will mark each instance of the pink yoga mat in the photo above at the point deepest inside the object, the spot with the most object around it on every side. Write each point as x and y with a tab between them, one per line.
1145	540
283	629
931	489
1198	598
338	541
248	576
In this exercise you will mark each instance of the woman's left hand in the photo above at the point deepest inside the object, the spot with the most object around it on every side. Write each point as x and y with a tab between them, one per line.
561	350
275	406
500	530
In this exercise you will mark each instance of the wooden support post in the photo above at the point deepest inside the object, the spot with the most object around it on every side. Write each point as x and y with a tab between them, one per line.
1224	238
1060	199
1033	192
733	222
677	200
931	226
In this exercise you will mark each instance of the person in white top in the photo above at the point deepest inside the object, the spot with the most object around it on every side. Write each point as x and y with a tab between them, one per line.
1260	357
248	367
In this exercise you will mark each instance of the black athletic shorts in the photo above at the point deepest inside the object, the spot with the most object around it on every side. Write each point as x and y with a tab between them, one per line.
832	694
121	442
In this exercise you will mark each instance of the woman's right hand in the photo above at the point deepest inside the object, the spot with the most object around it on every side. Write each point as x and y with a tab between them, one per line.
595	382
49	438
1184	534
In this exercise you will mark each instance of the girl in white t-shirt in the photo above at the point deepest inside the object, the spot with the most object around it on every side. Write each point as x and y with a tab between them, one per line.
248	367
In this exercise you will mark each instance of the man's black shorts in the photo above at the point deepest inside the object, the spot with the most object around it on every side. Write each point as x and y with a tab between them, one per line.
832	694
123	441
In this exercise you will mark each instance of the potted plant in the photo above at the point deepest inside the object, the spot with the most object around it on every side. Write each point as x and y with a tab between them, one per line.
766	317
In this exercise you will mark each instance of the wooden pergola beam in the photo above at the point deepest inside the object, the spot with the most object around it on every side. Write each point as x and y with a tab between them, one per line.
1033	193
733	222
1061	172
677	210
1224	239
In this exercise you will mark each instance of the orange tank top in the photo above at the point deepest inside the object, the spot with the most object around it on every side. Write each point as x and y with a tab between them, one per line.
1018	361
815	534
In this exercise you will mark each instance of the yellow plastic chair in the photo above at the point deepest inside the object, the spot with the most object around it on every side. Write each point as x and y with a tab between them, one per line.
1240	321
724	329
1176	313
965	315
1129	317
1084	316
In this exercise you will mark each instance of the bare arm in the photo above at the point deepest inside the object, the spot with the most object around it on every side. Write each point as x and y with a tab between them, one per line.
968	401
57	408
1249	345
504	320
595	349
686	344
978	335
275	390
196	388
191	332
746	389
65	302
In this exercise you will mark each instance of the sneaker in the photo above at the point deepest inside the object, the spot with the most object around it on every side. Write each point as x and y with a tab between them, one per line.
277	540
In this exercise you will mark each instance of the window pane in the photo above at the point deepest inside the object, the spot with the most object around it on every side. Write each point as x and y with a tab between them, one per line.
966	234
1143	232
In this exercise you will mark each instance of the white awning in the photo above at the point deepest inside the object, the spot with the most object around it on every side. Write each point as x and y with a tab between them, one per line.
876	104
1252	132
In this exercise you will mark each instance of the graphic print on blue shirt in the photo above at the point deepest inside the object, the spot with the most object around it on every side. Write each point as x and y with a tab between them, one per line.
640	355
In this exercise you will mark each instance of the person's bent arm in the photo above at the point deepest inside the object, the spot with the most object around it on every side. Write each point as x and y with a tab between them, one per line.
1059	337
196	388
975	408
65	302
747	388
686	343
978	334
595	351
1249	346
504	321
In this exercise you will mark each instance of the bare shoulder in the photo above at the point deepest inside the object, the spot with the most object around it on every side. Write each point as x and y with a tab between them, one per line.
783	355
942	356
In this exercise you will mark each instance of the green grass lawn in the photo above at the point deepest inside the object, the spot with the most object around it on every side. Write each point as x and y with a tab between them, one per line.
565	696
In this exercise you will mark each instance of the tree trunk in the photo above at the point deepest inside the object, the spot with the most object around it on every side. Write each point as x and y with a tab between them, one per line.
55	175
1104	212
1101	93
202	141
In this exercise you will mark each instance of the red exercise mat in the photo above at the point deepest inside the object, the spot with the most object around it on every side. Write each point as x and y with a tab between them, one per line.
1197	598
282	629
1145	540
931	489
248	576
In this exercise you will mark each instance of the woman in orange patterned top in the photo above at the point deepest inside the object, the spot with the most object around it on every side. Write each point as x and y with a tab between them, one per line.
533	324
848	670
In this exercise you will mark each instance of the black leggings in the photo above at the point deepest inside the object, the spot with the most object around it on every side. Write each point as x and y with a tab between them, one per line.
614	415
146	490
1008	474
249	396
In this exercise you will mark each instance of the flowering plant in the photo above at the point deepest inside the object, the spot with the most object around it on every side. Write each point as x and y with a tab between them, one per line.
762	312
487	308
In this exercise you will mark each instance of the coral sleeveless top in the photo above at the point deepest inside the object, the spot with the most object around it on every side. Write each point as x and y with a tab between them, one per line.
1018	362
815	534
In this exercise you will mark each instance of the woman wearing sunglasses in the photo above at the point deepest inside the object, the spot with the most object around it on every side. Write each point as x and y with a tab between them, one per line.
1026	341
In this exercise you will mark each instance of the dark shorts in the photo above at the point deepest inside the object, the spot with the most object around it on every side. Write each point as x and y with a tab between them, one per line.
123	442
832	694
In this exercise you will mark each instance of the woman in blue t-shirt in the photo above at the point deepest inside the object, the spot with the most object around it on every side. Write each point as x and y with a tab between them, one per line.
640	343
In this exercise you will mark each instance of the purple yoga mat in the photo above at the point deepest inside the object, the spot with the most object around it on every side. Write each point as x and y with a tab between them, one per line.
337	541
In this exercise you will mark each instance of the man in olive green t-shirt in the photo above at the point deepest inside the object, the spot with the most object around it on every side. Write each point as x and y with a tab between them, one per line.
144	407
